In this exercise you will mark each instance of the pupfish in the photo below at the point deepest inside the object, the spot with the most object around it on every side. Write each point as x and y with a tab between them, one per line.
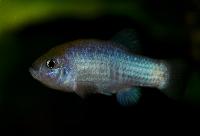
89	66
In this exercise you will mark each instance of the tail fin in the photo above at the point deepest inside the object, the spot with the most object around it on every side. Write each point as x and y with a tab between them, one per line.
177	71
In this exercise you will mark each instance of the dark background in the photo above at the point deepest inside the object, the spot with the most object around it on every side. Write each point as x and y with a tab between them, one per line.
166	30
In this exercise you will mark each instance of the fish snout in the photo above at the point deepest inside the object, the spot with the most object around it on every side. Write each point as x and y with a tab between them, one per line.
34	67
34	70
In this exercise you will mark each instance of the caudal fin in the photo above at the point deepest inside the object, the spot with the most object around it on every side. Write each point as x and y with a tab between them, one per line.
175	86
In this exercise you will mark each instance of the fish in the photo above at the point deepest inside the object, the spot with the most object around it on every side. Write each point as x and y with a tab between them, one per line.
107	67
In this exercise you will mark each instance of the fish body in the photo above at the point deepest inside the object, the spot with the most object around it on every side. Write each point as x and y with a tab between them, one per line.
97	66
108	68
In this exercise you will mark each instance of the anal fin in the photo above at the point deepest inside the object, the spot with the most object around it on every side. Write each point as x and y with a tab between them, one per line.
129	96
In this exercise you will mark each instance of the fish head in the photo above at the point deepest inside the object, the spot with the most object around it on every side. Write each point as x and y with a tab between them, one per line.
53	70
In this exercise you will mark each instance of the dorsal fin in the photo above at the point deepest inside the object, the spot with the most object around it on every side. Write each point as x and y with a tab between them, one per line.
128	38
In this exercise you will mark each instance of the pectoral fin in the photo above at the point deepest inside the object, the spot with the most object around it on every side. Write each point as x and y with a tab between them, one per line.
129	96
84	89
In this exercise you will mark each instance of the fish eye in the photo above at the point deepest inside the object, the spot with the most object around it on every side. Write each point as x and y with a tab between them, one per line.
50	63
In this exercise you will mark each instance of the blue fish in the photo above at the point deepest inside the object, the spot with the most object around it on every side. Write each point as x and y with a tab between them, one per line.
96	66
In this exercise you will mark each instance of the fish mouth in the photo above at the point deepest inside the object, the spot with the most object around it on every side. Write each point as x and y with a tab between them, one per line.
34	73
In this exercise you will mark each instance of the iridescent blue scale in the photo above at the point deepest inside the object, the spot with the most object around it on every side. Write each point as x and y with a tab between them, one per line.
105	63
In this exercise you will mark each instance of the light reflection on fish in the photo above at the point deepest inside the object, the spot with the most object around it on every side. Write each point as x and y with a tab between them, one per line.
97	66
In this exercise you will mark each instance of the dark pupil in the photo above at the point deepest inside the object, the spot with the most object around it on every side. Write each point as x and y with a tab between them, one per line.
50	63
